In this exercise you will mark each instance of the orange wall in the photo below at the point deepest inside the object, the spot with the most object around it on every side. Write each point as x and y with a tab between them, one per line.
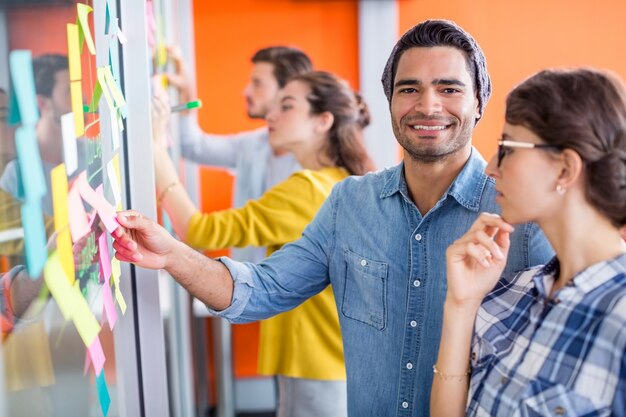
226	35
522	37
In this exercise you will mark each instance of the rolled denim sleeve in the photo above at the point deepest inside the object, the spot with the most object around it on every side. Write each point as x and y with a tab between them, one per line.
293	274
242	288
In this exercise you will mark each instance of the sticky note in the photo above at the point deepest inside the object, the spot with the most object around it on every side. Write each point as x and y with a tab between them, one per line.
105	89
73	52
105	210
103	393
70	149
66	254
113	180
120	102
115	130
95	97
114	58
79	227
120	34
115	273
34	238
83	22
21	65
59	287
84	320
58	179
76	90
29	160
97	355
106	271
105	259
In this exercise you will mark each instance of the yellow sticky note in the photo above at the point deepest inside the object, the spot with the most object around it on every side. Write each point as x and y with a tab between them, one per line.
73	52
115	90
76	90
59	287
83	20
84	320
120	300
116	271
66	255
58	179
105	90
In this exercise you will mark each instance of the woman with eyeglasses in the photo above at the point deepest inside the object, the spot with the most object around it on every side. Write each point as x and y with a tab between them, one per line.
551	340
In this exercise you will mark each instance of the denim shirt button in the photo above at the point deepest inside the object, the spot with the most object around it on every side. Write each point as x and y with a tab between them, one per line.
417	283
418	237
409	365
405	404
363	262
413	323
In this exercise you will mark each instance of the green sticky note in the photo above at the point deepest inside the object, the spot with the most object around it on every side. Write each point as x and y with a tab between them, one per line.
34	238
95	98
83	11
23	81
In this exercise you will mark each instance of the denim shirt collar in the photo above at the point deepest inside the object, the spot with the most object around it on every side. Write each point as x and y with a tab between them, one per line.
466	188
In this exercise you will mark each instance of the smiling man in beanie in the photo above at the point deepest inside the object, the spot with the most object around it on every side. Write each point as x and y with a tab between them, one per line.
380	240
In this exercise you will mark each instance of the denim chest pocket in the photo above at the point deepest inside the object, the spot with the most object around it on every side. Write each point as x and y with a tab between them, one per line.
365	292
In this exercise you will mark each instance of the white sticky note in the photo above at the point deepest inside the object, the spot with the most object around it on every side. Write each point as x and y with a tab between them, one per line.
115	129
115	187
70	152
120	34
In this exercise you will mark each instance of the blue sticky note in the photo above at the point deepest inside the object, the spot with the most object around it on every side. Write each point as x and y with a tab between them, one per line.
14	109
103	393
114	58
23	81
29	161
107	20
34	238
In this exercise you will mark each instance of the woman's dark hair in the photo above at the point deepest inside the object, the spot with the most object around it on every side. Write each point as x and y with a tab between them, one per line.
583	110
345	142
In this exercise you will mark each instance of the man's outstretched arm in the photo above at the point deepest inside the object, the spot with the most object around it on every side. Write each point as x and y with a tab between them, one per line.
146	244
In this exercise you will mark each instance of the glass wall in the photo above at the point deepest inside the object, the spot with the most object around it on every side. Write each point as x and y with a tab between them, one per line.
72	318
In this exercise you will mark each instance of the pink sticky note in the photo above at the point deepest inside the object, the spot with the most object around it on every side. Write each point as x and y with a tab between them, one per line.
78	218
109	306
104	209
87	362
97	355
105	259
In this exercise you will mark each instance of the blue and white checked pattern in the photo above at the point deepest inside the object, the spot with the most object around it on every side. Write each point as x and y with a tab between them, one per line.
532	356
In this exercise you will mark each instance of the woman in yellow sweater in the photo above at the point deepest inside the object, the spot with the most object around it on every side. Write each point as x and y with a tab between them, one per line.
319	119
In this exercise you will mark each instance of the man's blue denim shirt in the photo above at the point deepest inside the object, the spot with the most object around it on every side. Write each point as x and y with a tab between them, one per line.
386	263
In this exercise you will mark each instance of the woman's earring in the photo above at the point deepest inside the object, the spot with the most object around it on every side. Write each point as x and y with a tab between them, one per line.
559	189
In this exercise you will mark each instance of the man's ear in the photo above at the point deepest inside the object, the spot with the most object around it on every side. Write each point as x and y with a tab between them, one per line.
42	103
325	121
477	111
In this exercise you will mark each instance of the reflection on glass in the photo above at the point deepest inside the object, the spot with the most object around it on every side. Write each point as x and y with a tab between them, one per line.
43	355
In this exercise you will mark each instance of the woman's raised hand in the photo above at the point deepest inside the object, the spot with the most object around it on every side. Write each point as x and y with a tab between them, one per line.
476	260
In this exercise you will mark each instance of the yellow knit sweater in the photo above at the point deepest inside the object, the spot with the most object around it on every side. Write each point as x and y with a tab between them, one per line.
306	341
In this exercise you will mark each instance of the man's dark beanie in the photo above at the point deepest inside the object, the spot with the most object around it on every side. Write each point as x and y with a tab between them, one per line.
441	33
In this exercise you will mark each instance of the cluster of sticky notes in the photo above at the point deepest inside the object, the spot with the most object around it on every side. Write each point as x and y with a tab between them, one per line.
32	185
